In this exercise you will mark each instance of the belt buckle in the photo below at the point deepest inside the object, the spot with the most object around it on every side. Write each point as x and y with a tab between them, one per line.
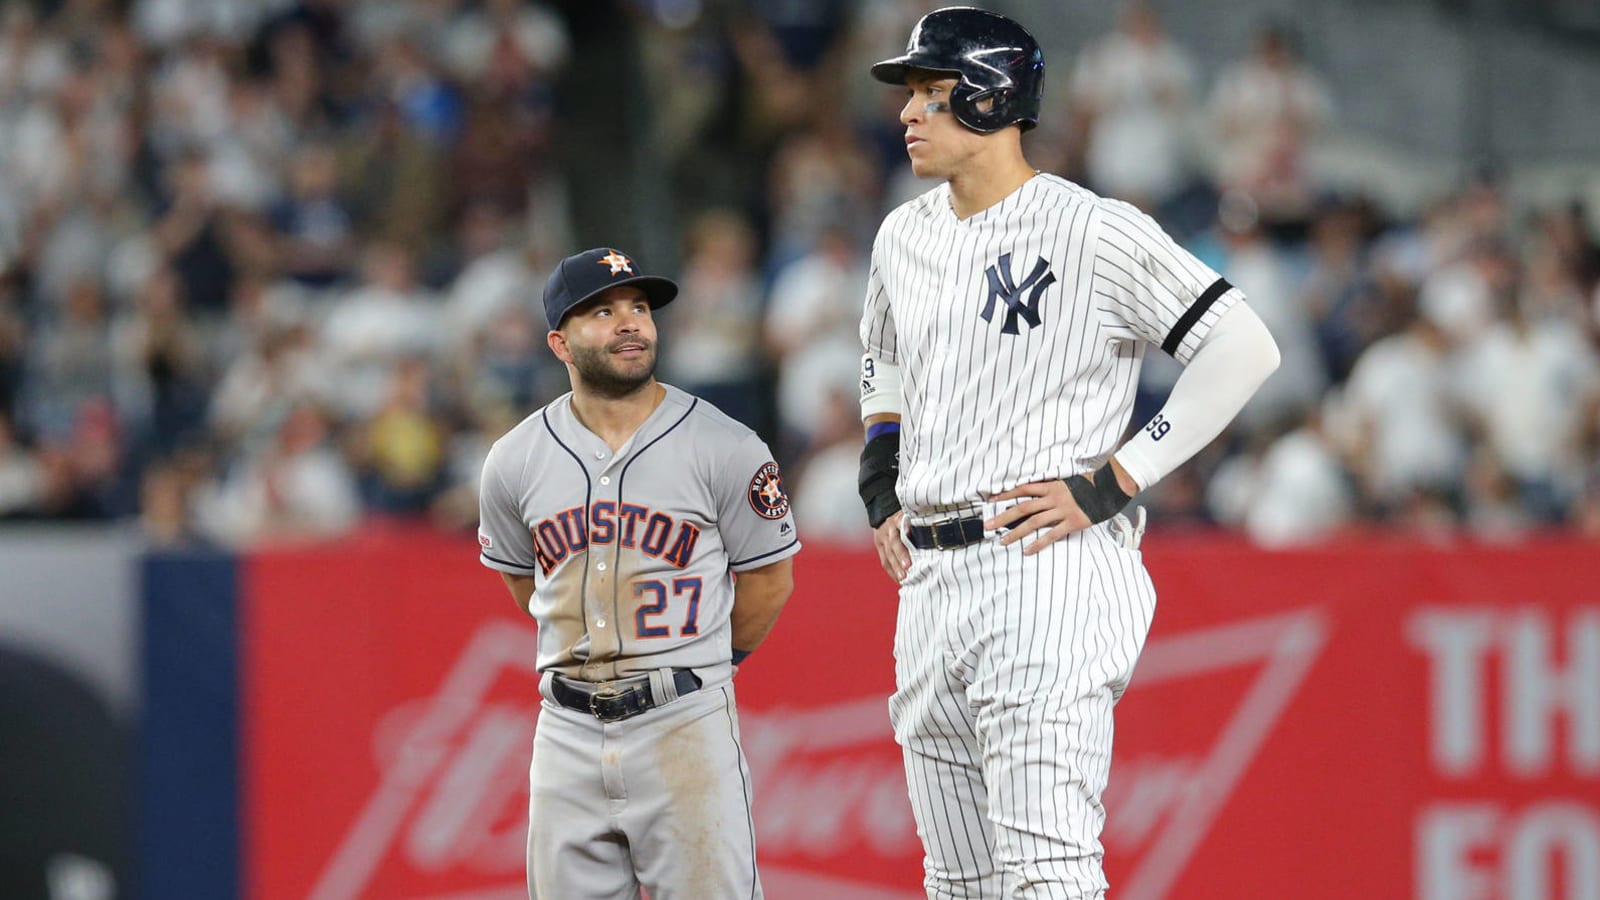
606	695
934	527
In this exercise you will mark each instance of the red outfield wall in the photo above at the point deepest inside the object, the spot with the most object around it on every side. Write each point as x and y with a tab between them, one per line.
1366	720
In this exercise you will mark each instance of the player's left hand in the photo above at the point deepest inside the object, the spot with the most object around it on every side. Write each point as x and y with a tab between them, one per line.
892	552
1045	505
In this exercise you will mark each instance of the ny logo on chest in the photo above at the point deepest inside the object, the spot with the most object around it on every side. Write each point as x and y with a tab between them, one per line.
1003	287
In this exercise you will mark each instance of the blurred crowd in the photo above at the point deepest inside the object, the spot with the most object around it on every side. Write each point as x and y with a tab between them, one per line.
269	269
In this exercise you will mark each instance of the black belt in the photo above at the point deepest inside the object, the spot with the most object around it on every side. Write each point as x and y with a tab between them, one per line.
947	535
613	701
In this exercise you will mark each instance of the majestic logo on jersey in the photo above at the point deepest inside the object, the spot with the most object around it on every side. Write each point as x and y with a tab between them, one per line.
627	524
766	493
617	262
1002	287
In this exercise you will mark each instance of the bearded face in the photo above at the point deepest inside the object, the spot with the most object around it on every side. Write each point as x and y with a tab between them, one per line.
616	369
611	342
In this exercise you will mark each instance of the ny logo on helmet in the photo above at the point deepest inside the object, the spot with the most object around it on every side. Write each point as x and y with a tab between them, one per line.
1002	287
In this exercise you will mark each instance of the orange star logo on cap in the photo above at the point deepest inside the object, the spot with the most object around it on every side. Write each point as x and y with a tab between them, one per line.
617	262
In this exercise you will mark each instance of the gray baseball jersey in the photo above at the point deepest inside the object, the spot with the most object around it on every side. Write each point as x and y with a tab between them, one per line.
1019	333
632	552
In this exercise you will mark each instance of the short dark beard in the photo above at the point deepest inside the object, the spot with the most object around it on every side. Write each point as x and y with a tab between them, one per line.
600	377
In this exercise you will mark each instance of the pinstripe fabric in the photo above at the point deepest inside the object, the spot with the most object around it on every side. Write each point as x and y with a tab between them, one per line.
1004	709
986	410
1007	667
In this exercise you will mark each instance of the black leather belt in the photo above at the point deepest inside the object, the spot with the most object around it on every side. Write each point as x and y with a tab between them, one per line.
613	701
947	535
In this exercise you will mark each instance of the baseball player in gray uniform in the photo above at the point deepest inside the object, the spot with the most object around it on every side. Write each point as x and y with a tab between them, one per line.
1006	316
618	516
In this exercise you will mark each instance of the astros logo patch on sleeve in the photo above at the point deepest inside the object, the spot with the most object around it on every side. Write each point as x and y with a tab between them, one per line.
766	493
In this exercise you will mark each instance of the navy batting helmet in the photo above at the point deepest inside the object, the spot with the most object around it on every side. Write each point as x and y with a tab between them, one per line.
995	58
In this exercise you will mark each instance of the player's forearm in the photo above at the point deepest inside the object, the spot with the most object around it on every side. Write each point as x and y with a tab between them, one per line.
759	596
880	391
521	588
1227	368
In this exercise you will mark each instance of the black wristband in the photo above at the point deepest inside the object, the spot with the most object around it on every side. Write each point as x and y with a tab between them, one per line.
880	470
1099	499
740	656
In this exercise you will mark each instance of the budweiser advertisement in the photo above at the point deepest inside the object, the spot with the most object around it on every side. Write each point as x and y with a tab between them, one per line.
1366	719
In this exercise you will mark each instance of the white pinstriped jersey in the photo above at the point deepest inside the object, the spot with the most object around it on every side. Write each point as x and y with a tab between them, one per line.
1019	333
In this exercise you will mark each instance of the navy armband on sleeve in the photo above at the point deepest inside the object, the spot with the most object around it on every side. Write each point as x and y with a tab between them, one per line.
1191	316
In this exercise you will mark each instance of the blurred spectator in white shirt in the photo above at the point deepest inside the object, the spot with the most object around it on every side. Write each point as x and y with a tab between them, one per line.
70	363
1531	387
279	370
1296	492
73	246
538	35
32	62
495	276
1132	91
827	505
247	160
1398	422
22	476
170	21
189	97
1267	110
386	318
298	487
1461	297
812	330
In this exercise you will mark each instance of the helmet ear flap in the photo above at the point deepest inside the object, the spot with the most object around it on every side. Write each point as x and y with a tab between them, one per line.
983	111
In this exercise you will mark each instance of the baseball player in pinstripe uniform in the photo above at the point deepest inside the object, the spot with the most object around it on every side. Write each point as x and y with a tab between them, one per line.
617	516
1006	316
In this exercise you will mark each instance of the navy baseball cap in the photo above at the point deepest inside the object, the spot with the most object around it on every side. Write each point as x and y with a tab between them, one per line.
583	275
